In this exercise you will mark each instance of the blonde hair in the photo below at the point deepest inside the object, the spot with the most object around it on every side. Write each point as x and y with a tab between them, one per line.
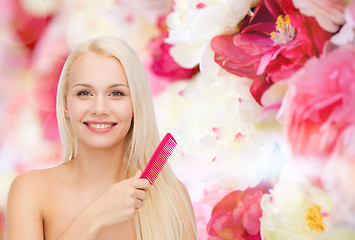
168	205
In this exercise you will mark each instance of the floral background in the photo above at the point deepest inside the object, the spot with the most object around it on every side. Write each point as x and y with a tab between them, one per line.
260	95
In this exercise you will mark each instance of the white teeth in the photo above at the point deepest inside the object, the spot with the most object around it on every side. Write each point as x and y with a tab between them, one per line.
100	125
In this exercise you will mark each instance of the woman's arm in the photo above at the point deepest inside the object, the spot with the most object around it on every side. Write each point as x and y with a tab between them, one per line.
84	226
23	217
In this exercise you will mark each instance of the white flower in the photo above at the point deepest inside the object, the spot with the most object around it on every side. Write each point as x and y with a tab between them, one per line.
213	119
41	8
338	178
337	232
94	18
346	34
295	209
194	23
328	13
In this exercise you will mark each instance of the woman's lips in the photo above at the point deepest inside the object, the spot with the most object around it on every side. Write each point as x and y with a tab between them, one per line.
100	126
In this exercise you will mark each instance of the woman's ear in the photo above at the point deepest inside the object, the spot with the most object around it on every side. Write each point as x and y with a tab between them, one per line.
66	111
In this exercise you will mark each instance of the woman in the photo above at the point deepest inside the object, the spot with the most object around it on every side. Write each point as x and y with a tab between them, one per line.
108	131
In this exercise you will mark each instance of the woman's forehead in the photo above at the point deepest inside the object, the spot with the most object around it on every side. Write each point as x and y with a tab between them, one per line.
96	69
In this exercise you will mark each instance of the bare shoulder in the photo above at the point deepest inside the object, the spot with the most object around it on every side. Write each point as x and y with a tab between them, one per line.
29	178
28	189
24	206
32	186
33	181
25	184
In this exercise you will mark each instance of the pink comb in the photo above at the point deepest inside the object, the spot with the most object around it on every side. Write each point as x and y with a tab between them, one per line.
159	158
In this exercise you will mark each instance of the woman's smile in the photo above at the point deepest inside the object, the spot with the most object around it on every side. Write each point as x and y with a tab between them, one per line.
100	127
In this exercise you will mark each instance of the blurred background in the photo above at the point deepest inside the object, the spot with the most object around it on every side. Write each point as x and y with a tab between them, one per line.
261	105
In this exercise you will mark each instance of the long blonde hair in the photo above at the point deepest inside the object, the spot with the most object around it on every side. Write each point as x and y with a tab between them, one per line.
162	214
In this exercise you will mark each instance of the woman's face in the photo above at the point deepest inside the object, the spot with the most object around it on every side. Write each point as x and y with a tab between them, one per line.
98	105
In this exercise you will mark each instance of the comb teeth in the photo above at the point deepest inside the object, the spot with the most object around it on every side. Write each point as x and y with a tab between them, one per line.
159	158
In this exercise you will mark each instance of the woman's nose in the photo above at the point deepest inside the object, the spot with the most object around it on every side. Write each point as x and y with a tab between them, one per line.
100	106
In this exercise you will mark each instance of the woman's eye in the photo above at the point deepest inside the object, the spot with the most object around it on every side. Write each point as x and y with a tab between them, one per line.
83	93
116	93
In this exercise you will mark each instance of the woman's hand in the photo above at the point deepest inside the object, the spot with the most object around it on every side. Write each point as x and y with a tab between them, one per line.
117	204
120	201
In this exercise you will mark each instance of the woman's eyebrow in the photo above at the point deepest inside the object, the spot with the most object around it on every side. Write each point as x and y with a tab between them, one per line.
82	85
118	85
111	86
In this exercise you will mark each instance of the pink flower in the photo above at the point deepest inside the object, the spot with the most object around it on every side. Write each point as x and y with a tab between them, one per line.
203	208
237	215
266	52
319	108
163	64
26	27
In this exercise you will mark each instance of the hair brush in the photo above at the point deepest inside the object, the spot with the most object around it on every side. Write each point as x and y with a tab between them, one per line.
159	158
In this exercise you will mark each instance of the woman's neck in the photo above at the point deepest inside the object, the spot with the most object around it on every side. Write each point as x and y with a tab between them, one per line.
99	167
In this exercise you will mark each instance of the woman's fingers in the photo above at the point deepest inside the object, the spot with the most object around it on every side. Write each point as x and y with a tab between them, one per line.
137	175
139	204
142	184
139	183
142	195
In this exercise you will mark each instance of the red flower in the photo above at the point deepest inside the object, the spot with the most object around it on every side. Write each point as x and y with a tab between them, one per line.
163	63
319	112
26	27
267	52
237	215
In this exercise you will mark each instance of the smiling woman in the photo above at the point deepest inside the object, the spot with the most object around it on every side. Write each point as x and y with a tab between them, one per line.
105	113
104	107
